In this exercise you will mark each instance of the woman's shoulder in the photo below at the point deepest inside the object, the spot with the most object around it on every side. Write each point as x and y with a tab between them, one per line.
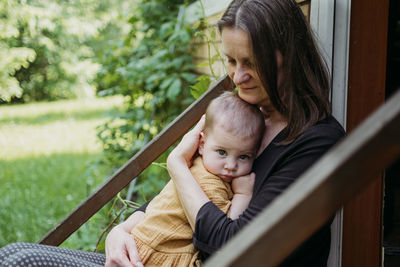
308	147
311	144
328	128
320	136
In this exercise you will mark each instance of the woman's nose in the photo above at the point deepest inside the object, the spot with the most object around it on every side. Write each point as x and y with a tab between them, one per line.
240	76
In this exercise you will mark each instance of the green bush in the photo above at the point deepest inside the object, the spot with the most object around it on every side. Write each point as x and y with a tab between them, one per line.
153	68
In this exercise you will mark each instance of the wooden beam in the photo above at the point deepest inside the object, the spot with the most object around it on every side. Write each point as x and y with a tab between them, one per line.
339	175
135	165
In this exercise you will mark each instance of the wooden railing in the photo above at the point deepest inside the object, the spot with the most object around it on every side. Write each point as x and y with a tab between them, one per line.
337	177
139	162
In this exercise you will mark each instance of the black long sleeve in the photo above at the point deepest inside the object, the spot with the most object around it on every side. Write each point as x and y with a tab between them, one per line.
143	207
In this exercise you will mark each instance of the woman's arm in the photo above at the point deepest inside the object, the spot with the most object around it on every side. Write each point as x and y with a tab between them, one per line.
276	168
120	246
191	195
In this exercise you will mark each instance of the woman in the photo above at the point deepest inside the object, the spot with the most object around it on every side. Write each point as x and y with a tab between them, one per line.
273	60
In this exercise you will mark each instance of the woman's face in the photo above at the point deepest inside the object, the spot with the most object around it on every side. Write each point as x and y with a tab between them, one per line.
241	68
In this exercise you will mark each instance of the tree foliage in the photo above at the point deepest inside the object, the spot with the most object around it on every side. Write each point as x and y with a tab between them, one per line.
11	58
48	47
153	68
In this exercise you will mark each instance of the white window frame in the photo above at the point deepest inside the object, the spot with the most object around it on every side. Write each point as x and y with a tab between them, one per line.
330	21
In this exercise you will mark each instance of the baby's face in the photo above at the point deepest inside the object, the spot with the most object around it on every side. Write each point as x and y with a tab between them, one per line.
226	155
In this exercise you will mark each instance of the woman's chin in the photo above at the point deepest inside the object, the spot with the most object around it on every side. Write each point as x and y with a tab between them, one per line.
248	97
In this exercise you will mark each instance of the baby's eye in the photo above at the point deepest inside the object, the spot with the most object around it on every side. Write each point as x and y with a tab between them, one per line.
244	157
221	152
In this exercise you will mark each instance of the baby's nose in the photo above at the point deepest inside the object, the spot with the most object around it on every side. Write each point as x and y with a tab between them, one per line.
230	164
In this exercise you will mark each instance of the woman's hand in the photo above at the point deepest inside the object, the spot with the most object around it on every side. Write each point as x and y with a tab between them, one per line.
189	143
120	246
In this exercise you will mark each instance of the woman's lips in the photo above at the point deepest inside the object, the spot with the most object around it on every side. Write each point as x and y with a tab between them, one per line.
247	88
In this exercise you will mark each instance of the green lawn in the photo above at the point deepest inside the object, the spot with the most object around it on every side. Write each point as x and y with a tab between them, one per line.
45	149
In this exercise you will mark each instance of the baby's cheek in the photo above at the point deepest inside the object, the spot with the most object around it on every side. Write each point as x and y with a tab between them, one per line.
248	168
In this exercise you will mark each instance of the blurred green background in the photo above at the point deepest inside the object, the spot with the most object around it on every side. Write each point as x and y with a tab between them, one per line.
84	85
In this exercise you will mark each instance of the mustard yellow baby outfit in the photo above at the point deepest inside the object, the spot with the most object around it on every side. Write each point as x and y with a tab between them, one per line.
164	236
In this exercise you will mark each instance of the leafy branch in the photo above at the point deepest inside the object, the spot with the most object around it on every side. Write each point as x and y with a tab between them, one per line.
209	34
100	245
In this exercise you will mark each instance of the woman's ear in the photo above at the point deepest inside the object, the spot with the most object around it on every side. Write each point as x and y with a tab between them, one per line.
279	62
279	59
201	144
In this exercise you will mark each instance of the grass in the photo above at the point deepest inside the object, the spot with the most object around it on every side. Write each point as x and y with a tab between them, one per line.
45	151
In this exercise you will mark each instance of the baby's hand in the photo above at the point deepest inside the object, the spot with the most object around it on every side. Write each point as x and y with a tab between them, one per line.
244	184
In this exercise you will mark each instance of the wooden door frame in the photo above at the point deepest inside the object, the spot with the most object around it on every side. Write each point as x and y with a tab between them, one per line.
362	217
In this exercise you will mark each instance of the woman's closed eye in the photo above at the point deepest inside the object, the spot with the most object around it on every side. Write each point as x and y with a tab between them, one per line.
231	60
249	64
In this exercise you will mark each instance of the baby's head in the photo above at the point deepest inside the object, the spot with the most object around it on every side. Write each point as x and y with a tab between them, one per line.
232	134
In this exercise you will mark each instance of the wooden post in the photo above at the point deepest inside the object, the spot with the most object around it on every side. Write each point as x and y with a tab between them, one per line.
362	217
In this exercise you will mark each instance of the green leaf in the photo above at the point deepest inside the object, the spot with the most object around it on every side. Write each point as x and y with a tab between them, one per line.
203	82
167	82
213	59
174	89
212	33
189	77
177	62
154	78
204	64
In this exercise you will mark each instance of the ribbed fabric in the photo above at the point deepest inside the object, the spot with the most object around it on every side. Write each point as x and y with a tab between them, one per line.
164	236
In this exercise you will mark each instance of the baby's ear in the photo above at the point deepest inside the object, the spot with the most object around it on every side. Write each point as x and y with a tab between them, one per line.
201	144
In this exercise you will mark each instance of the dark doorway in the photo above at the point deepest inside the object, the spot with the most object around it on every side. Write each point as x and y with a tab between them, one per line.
391	218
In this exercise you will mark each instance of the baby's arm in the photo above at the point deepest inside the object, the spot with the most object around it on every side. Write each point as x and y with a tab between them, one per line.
242	188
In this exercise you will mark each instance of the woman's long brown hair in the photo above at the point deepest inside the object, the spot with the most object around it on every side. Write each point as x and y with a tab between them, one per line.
279	25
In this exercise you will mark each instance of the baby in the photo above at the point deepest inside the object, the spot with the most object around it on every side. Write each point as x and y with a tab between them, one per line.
228	146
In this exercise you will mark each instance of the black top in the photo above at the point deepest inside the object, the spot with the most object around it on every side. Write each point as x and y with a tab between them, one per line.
276	168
